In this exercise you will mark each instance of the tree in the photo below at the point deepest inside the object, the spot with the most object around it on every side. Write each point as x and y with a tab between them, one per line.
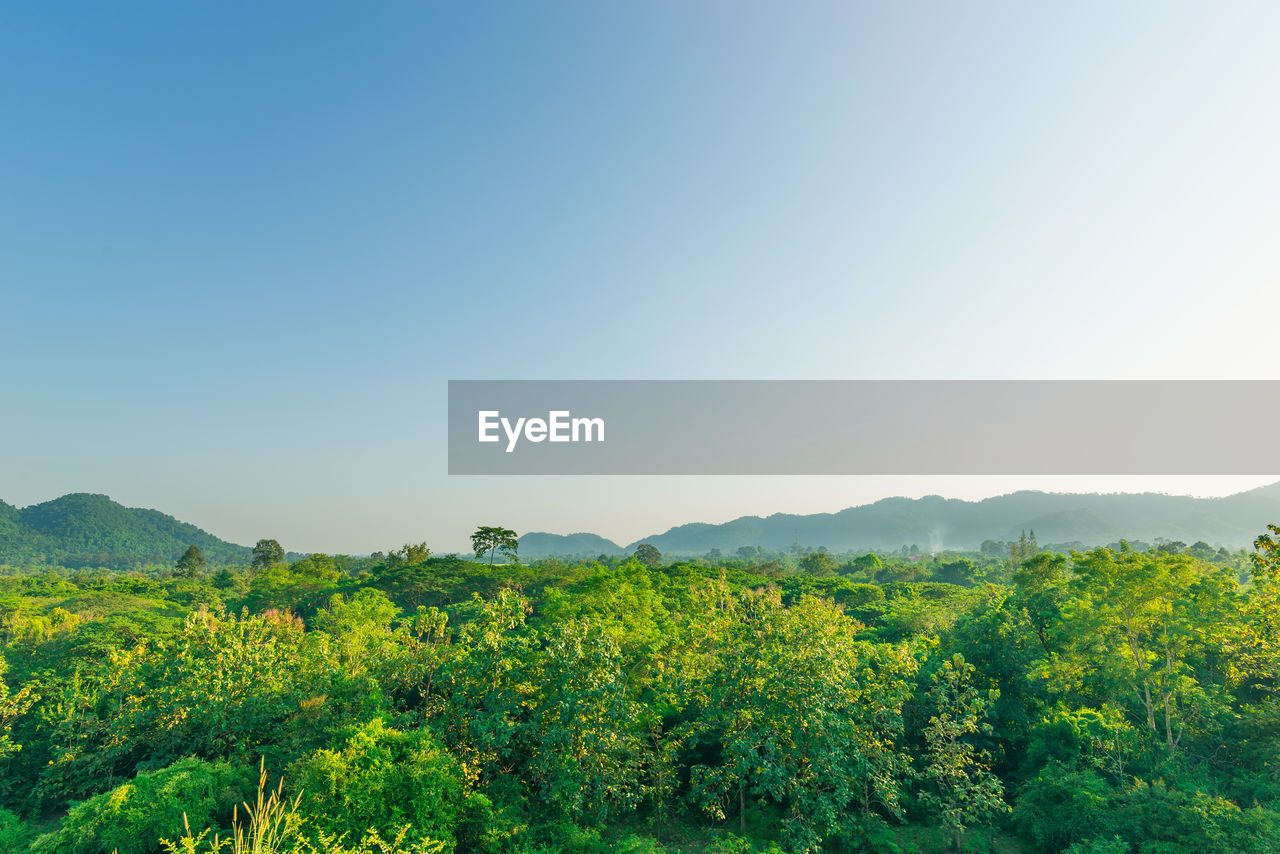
302	586
864	567
1024	549
1258	650
191	562
960	571
648	555
1202	550
819	563
1137	628
802	712
267	553
586	725
962	788
1041	591
1266	555
12	706
493	539
408	556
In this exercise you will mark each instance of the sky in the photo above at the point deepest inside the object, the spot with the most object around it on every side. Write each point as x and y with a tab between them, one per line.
243	247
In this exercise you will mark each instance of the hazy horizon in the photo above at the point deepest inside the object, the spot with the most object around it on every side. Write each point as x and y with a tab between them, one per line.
456	541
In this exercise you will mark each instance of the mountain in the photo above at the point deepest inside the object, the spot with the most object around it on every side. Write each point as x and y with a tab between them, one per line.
936	523
539	545
82	529
92	530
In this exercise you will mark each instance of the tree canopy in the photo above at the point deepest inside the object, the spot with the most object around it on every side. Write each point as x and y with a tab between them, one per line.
1119	699
492	539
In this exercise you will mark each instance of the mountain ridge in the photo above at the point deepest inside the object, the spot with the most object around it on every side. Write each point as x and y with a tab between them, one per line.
936	523
89	529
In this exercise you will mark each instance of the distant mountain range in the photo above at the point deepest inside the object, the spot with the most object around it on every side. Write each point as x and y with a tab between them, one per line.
936	523
92	530
81	529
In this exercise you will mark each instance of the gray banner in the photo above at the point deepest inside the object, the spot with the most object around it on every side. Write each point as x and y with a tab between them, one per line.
862	427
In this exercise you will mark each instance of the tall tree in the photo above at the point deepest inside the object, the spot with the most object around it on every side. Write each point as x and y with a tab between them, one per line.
648	555
267	553
962	788
1258	649
804	713
492	539
1136	628
191	562
1024	549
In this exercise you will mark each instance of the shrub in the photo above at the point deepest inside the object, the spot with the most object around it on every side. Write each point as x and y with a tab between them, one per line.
558	837
15	834
633	844
132	818
383	779
1061	806
1114	845
729	843
1075	810
1156	819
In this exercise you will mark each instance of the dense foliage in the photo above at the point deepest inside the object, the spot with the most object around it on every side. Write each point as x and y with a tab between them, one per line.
1112	700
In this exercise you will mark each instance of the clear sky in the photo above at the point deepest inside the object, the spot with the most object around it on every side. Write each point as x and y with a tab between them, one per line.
243	246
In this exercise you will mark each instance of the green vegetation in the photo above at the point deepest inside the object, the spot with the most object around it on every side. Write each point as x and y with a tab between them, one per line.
1007	700
133	816
191	563
82	530
490	539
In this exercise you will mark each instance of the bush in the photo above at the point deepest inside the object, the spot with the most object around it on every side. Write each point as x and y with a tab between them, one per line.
633	844
383	779
1061	806
872	835
729	843
131	818
1114	845
1075	810
15	834
1156	819
559	837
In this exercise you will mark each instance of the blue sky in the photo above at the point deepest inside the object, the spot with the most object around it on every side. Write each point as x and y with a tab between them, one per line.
242	249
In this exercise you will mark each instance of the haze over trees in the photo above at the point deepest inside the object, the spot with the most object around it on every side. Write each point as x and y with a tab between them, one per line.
88	531
937	524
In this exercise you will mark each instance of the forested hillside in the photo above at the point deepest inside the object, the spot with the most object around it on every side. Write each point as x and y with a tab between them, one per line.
1098	702
938	523
539	545
81	529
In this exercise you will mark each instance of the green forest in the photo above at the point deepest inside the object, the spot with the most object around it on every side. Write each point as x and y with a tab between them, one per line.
1012	699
